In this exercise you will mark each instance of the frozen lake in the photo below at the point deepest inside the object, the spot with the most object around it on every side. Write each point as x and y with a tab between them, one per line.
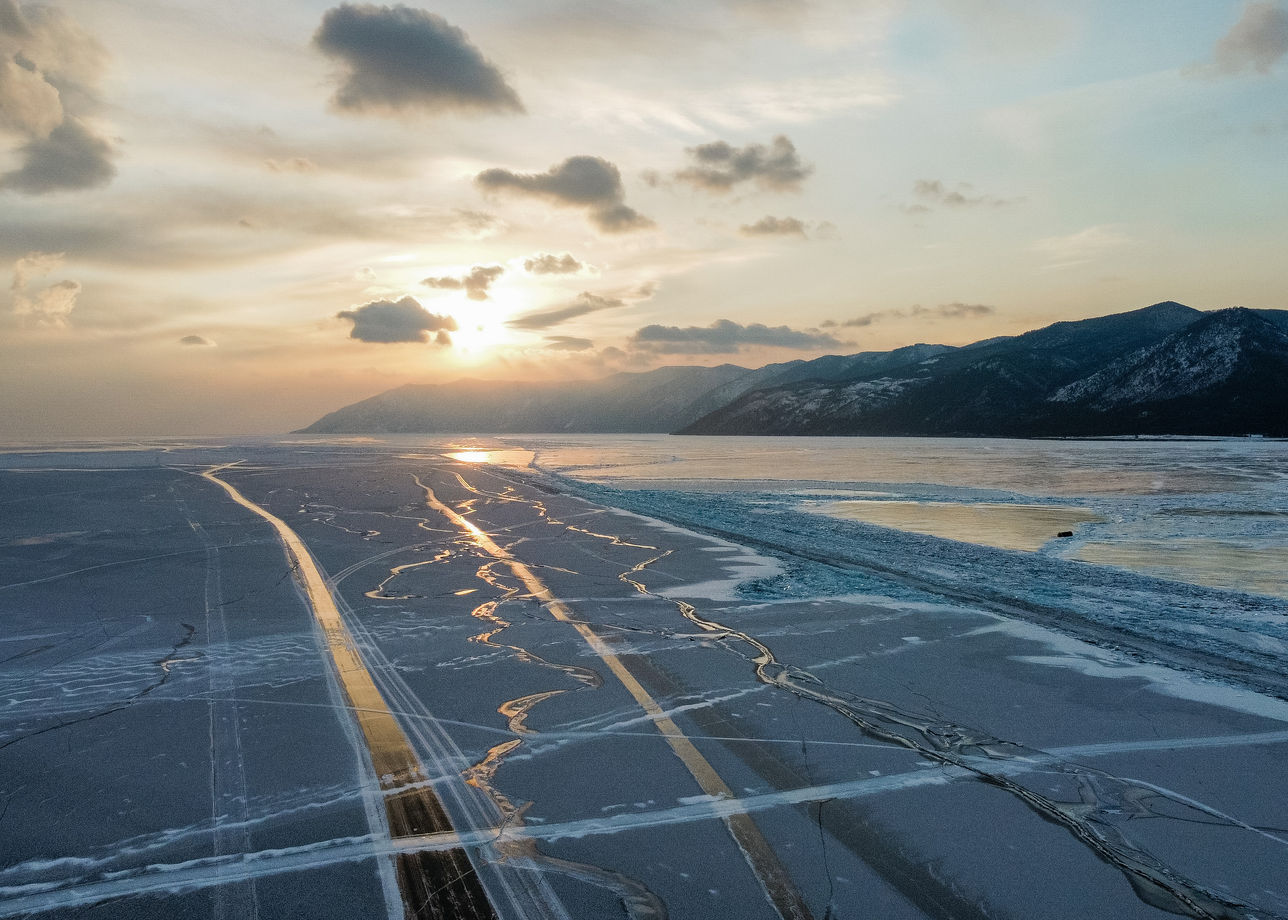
643	677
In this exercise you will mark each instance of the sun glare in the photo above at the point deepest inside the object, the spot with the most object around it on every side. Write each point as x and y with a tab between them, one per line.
470	456
481	326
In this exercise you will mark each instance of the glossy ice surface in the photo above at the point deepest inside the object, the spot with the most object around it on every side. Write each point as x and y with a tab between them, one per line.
425	675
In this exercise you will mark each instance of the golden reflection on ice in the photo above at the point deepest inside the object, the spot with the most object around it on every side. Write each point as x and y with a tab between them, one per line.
765	865
411	808
470	456
1023	527
1214	563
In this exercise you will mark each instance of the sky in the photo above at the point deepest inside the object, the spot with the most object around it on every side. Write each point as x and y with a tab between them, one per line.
232	218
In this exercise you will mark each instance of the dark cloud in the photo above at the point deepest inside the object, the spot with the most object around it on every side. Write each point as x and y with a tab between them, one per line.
196	340
726	337
774	226
955	310
402	321
1256	42
719	166
568	343
586	182
585	303
72	157
475	284
49	68
12	21
402	60
933	192
547	264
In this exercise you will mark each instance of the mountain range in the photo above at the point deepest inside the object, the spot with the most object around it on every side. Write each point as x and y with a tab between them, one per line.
1164	369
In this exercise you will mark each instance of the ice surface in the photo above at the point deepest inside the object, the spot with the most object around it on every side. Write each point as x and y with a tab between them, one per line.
628	699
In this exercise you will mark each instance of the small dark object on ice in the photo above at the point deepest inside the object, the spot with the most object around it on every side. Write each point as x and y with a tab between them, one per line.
1065	533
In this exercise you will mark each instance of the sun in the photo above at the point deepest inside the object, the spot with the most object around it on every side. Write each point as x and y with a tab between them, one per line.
476	335
481	326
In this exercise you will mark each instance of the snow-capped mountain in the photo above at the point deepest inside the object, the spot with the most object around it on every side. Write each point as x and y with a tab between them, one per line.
1164	369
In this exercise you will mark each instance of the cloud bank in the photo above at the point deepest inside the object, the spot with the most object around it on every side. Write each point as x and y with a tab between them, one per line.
400	60
586	182
405	320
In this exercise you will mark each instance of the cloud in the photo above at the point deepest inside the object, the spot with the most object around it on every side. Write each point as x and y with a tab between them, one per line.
49	68
1081	247
29	103
474	225
44	40
1256	42
568	343
933	192
71	157
546	264
586	182
199	341
774	226
401	60
726	337
719	166
49	307
401	321
475	284
585	303
291	164
955	310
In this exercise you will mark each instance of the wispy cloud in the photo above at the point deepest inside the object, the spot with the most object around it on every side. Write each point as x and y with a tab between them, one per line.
726	337
955	310
585	303
1081	247
935	193
568	343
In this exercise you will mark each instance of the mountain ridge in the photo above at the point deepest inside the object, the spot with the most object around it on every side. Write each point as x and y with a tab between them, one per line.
1199	372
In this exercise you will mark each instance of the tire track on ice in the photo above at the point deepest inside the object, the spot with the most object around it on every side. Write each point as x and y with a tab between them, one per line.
769	872
432	883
